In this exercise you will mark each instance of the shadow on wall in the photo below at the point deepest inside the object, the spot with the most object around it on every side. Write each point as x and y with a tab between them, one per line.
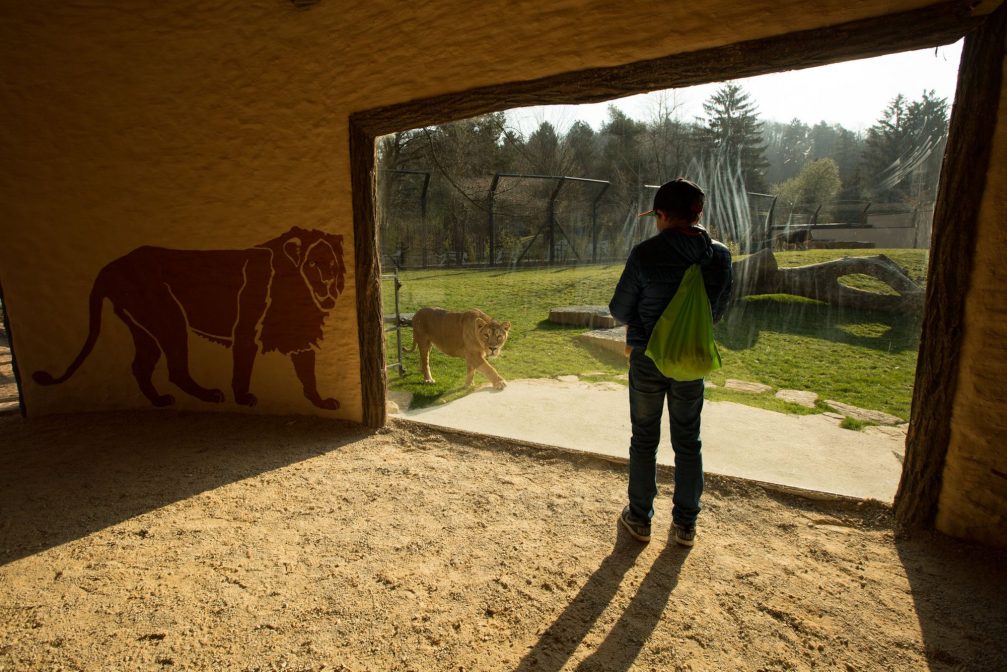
102	469
274	296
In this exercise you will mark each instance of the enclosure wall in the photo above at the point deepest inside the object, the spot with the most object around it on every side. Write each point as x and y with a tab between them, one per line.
973	499
220	126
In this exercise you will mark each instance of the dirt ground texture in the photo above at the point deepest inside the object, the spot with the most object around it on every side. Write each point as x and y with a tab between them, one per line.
167	541
8	385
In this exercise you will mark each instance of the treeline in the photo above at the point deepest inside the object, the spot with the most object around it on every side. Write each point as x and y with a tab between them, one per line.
730	150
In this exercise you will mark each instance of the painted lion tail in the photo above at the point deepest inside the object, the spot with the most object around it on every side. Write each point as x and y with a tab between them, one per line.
94	328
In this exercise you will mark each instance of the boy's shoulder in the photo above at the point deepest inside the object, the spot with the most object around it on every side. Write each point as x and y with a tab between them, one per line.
720	250
717	245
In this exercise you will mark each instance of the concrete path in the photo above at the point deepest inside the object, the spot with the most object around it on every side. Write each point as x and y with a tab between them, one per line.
810	452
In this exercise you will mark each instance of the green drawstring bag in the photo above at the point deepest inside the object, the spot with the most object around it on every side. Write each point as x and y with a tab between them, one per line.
682	344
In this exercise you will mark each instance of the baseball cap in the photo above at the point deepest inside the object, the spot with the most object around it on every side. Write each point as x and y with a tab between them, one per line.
679	196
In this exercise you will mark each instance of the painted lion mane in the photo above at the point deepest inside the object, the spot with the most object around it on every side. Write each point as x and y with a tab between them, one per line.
294	317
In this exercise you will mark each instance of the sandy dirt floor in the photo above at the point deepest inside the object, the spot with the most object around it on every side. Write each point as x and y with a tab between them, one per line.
8	385
165	541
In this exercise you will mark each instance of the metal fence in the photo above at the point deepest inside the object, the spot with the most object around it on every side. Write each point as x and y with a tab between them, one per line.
510	220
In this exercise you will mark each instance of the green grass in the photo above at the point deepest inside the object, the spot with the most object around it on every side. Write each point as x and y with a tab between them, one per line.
854	424
863	358
535	348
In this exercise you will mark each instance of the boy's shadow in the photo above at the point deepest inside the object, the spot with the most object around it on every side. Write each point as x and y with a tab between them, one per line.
626	638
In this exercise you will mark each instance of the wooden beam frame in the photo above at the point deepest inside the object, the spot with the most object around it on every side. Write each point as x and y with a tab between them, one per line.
931	26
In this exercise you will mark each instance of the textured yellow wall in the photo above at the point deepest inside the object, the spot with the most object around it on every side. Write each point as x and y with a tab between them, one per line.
220	125
973	501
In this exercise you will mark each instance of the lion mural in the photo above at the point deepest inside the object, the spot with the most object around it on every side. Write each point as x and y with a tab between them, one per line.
273	296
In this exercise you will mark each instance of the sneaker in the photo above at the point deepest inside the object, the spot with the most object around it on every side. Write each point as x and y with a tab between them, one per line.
637	529
684	536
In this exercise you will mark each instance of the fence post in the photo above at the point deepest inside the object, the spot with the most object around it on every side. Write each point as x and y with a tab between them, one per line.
492	232
594	223
552	220
423	218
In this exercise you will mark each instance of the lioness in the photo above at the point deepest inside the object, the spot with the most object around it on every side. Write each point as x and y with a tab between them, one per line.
472	335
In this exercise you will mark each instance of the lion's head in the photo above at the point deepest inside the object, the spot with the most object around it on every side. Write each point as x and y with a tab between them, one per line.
308	277
492	334
320	264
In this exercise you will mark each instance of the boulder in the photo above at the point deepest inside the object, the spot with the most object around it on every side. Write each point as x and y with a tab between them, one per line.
799	397
746	386
609	339
597	317
863	414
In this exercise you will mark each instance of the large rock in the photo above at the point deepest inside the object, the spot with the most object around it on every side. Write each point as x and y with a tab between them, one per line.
597	317
799	397
863	414
746	386
609	339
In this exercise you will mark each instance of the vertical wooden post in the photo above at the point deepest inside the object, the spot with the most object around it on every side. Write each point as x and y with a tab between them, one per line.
371	335
952	248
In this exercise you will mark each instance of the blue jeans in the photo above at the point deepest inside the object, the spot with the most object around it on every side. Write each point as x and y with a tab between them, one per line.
648	388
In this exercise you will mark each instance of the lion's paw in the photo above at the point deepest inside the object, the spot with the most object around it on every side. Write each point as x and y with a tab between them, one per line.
500	384
214	396
329	404
162	400
247	399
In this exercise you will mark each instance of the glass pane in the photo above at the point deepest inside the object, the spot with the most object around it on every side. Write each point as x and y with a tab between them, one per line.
821	185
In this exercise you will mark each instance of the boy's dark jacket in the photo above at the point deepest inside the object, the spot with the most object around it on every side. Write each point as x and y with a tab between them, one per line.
654	271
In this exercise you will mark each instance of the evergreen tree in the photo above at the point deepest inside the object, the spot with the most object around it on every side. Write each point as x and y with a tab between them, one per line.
887	140
734	133
905	147
849	148
622	136
582	144
772	138
511	151
928	118
796	147
622	155
543	151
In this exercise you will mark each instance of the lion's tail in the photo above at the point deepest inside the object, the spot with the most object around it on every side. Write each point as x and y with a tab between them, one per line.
98	295
413	325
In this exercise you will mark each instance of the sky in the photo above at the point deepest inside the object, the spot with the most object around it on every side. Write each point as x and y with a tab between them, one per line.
852	94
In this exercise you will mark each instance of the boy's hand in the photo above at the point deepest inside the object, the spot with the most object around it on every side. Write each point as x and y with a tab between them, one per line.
628	350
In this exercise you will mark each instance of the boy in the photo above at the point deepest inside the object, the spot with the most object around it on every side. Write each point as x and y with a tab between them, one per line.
652	275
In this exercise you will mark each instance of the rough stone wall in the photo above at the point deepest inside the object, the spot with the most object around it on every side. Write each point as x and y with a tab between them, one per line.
973	501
